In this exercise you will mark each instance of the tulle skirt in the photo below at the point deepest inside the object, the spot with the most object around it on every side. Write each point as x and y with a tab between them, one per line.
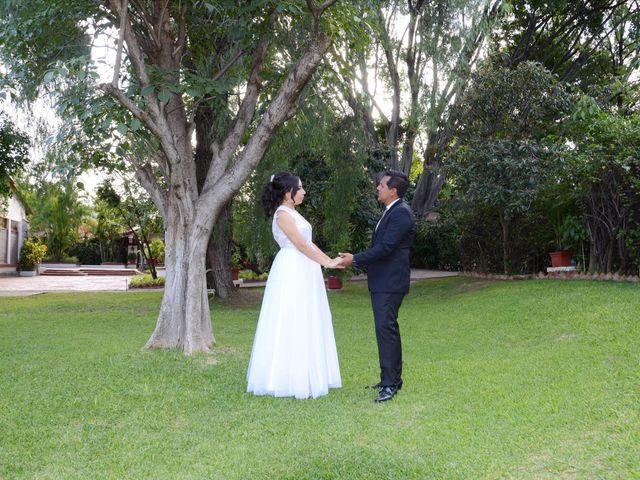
294	350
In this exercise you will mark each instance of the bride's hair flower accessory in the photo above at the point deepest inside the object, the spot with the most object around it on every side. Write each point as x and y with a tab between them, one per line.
271	179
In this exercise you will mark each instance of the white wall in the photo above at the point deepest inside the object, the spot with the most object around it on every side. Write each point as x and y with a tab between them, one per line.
16	215
15	211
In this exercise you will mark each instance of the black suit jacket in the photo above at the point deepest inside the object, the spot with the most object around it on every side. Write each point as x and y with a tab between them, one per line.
387	260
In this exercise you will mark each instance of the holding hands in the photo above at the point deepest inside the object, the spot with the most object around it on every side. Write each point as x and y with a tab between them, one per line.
334	263
343	260
346	259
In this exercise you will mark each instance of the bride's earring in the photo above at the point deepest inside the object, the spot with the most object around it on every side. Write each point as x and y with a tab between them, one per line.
289	201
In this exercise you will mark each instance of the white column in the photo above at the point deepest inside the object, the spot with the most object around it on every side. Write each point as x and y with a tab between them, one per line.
20	237
9	240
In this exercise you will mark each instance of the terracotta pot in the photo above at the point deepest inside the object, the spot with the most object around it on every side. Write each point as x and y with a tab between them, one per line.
561	258
334	283
235	273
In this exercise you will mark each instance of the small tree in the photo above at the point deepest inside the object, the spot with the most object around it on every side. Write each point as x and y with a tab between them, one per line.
156	249
507	149
135	212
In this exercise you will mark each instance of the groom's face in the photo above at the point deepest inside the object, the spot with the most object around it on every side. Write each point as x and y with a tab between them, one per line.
386	195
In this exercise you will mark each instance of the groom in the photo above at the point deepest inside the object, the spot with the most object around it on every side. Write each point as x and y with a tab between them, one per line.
388	272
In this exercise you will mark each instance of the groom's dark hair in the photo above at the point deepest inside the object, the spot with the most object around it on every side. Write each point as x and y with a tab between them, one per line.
398	180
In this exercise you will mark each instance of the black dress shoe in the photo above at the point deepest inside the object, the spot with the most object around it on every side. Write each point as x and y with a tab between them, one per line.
386	394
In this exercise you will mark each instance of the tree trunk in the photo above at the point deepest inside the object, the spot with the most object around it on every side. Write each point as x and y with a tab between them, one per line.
431	180
504	222
184	320
219	255
189	205
429	185
219	248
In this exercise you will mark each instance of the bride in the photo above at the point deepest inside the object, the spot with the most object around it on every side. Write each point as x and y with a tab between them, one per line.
294	350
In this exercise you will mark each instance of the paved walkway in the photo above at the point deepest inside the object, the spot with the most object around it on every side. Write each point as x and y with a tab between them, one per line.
11	286
14	286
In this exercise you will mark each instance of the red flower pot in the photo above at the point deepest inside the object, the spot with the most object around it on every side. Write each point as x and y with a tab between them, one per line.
333	283
561	258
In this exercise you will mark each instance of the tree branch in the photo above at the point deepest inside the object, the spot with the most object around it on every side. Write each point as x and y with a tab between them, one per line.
126	102
223	152
276	114
123	21
144	174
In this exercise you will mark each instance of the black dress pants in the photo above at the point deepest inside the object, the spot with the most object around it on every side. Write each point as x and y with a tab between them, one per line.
385	313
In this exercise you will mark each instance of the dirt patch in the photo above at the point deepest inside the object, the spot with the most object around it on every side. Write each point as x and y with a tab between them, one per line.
242	297
567	336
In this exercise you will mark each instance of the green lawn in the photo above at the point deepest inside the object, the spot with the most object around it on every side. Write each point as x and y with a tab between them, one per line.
533	379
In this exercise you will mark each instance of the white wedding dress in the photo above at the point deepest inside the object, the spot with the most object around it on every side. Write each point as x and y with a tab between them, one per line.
294	350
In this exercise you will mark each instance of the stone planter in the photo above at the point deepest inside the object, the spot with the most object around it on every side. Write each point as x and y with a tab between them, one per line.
28	273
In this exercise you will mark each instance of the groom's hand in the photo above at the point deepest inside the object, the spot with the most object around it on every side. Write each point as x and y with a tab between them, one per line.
346	259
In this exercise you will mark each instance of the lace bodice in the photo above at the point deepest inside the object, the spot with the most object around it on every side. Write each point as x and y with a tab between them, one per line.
304	227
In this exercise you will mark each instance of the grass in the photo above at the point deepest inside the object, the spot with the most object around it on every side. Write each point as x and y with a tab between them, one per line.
503	380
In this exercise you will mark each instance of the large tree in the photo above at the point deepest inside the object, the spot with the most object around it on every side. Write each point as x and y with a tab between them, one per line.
422	53
162	75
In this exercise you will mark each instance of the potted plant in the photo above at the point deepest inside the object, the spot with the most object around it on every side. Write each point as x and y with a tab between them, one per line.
132	259
568	235
334	282
236	264
336	277
31	254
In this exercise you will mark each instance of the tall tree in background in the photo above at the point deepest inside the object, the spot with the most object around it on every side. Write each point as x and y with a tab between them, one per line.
14	154
423	52
158	98
566	37
507	143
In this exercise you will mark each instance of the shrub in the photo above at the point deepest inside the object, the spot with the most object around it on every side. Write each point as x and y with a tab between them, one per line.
31	254
250	275
146	281
157	250
436	245
87	252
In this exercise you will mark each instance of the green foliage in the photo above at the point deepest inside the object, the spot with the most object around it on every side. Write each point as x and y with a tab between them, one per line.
604	167
31	254
87	252
571	233
436	244
58	213
156	247
146	281
249	275
14	153
236	259
340	203
507	148
128	209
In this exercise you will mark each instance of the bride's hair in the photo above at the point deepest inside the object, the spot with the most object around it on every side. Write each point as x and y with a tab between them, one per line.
273	192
